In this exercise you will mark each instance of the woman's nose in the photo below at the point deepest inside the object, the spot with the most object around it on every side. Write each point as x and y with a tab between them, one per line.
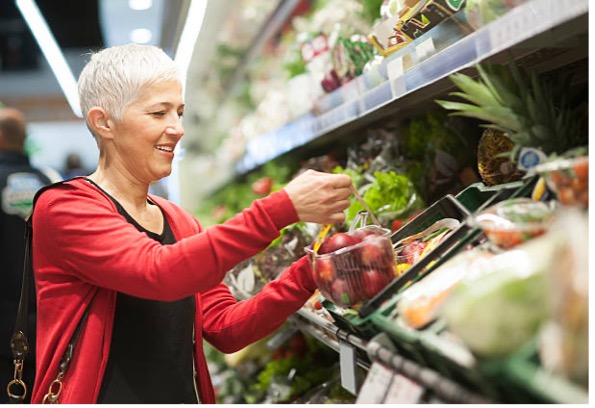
175	128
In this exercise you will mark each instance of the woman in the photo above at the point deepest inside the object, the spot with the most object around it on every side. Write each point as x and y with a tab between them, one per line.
149	273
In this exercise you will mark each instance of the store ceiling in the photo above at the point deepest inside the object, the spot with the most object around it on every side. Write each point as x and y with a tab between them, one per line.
74	24
78	27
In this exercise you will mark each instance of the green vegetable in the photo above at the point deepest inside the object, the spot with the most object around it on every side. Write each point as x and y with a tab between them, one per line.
388	196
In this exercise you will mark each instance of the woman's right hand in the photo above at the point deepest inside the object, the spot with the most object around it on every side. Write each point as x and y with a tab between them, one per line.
320	197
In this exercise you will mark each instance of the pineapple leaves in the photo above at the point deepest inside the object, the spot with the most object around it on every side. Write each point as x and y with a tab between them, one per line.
493	115
533	111
489	80
475	92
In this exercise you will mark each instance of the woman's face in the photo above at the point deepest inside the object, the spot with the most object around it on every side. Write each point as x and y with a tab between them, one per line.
150	128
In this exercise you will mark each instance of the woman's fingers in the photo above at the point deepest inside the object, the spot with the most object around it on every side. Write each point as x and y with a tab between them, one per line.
320	197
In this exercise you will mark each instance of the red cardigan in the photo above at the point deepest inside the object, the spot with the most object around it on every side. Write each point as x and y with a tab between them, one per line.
82	247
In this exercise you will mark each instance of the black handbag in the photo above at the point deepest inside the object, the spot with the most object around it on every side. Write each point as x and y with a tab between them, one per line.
16	388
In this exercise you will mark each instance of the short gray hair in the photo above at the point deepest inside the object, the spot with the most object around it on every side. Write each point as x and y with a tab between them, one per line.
114	76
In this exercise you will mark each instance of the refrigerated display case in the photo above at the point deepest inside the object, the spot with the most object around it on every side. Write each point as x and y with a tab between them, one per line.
433	364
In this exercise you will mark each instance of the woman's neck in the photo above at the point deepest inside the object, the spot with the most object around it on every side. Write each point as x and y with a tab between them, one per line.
129	192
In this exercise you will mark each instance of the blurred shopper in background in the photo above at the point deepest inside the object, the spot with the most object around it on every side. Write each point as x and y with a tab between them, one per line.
73	166
147	273
19	182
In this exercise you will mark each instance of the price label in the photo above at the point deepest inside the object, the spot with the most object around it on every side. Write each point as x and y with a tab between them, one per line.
395	70
425	49
374	389
402	390
517	25
347	363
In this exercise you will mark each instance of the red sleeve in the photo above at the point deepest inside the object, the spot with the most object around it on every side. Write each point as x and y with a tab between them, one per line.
78	231
230	325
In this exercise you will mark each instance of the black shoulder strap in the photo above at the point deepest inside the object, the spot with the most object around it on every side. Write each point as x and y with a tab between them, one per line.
19	342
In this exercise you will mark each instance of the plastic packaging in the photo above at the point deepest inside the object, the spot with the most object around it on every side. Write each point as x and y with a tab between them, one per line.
356	272
568	179
564	341
514	221
501	307
419	304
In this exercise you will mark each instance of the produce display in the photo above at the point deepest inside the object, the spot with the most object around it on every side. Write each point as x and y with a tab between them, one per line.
251	275
350	268
514	221
532	111
410	249
385	186
503	306
515	280
564	341
493	168
568	178
420	303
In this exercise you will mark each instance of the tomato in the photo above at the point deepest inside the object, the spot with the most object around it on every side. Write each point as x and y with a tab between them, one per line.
396	225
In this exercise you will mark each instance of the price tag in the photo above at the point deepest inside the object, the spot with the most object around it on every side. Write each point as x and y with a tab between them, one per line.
425	49
395	70
347	362
376	385
517	25
530	157
402	390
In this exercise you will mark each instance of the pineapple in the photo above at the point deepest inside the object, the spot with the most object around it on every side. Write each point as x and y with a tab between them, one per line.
531	112
493	168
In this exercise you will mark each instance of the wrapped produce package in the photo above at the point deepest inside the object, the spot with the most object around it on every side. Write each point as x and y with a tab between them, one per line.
502	307
420	303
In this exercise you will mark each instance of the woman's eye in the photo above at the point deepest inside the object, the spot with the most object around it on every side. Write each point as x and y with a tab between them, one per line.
160	113
180	114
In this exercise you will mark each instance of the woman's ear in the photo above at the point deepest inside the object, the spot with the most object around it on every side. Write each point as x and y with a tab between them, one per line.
101	122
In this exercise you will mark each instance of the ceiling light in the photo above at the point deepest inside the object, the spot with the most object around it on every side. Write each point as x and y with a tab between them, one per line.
140	35
51	52
140	4
183	54
192	25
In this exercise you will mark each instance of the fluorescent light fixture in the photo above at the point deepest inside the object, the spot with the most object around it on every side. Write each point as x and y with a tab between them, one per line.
192	26
140	35
183	54
51	52
140	4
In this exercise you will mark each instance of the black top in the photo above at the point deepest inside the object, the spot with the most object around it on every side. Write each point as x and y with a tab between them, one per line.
151	353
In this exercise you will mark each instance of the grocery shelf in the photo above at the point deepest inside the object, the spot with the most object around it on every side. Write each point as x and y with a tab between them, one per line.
437	54
271	27
330	335
444	388
332	330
